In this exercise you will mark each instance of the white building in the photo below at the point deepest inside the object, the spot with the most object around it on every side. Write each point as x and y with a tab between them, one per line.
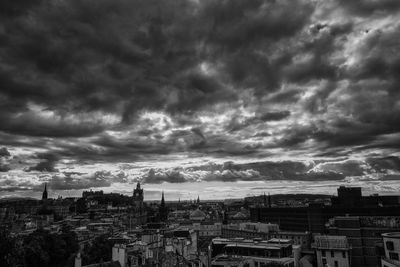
391	243
212	229
241	252
197	215
332	251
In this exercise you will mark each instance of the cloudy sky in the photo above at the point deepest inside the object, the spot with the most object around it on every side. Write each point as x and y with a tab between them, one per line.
220	99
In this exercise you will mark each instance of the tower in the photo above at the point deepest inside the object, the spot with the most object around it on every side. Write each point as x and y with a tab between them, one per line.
264	200
138	197
198	200
44	195
269	201
163	211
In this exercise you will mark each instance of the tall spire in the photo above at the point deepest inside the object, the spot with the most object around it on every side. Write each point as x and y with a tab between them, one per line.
162	199
264	200
44	195
163	210
269	200
198	199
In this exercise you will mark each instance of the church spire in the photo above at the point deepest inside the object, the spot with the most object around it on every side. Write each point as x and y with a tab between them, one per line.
269	201
264	200
163	210
44	195
162	199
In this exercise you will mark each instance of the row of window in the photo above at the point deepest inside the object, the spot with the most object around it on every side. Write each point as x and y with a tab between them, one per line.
393	256
333	253
324	263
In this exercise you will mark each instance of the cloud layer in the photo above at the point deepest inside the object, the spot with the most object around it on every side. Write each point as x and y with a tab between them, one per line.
88	84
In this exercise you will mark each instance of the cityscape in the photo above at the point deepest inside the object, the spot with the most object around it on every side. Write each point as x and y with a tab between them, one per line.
200	133
110	229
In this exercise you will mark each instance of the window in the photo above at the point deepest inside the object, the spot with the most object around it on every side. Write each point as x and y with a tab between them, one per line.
323	262
336	264
344	254
393	256
332	254
389	245
323	253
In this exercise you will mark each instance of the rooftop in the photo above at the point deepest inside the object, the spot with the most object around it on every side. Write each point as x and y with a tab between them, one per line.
331	242
392	235
241	242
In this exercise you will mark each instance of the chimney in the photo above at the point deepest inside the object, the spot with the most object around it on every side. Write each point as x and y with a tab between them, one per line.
78	260
119	254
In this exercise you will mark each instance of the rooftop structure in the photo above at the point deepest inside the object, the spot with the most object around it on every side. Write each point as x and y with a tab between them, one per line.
252	251
391	242
332	251
331	242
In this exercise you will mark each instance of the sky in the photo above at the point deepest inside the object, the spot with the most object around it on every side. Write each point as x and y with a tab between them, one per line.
221	99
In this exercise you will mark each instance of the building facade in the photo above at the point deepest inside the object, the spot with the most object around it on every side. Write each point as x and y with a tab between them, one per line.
333	251
391	242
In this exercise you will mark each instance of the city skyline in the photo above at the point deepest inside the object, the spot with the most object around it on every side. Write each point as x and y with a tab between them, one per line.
221	99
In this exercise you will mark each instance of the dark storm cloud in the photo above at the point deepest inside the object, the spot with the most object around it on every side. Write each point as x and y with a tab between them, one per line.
260	171
385	163
235	125
70	181
231	78
47	164
370	169
4	152
4	167
173	176
368	7
125	56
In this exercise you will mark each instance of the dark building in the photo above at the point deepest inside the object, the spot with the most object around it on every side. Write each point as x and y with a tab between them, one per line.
352	197
138	211
44	195
348	196
314	217
163	210
138	197
364	236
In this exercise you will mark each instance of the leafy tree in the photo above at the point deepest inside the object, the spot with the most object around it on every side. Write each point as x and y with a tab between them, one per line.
274	264
99	251
81	206
10	250
44	249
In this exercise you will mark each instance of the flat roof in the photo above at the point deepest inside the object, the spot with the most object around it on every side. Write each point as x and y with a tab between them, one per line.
392	235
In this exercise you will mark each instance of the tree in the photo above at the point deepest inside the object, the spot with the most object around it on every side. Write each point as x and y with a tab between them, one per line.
10	250
274	264
42	248
81	206
99	251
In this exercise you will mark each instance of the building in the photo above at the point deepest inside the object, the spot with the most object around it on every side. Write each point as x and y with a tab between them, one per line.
138	197
265	231
333	251
364	235
182	242
209	229
352	197
391	242
313	217
44	194
348	196
139	215
251	253
163	209
197	215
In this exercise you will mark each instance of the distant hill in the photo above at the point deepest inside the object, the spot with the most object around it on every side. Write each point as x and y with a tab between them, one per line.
279	197
13	199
